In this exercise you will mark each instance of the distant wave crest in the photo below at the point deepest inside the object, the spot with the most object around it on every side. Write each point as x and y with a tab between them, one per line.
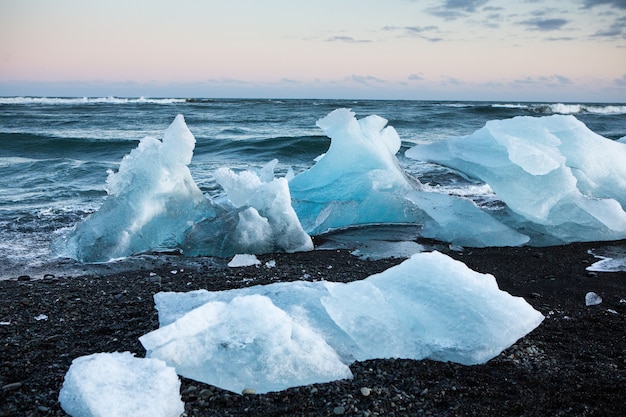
88	100
561	108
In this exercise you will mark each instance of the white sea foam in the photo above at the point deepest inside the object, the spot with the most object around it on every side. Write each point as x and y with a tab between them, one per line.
561	108
566	108
87	100
509	106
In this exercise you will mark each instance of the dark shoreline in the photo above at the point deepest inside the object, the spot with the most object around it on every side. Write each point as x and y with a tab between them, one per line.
573	364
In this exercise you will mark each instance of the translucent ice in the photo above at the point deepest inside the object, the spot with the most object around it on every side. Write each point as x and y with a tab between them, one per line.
358	181
154	204
120	385
430	306
255	217
245	343
454	219
243	259
561	181
152	200
592	299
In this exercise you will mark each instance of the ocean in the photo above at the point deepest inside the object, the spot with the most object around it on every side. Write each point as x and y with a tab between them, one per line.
55	153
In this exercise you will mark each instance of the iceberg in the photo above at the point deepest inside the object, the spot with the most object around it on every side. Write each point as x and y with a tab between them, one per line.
152	199
358	181
255	217
153	204
247	343
120	385
460	221
560	181
293	333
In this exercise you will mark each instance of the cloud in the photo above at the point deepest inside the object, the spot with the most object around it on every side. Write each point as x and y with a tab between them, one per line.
348	39
621	82
555	80
454	9
545	25
415	32
452	81
367	79
619	4
617	29
416	77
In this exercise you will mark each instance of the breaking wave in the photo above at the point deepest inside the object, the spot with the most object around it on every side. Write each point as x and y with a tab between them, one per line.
562	108
88	100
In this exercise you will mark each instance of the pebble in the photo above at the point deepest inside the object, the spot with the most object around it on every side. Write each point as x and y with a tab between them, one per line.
23	278
248	391
365	391
339	410
10	387
205	393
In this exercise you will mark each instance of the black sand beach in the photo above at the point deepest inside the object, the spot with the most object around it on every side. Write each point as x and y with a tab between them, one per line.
573	364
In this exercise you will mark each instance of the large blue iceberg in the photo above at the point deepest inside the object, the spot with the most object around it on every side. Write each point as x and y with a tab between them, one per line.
560	181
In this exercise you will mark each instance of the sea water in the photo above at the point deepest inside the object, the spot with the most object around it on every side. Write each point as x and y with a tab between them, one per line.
55	153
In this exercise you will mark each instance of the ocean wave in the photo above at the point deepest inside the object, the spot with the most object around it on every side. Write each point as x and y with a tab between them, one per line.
88	100
39	147
509	106
563	108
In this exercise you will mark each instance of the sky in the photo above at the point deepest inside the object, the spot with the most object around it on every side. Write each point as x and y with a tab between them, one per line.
495	50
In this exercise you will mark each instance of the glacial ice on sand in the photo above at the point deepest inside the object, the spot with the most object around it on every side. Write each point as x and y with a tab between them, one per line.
152	199
429	306
592	299
154	204
359	181
243	259
245	343
255	217
560	181
120	385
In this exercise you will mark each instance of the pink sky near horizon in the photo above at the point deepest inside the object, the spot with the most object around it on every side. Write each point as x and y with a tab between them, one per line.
543	50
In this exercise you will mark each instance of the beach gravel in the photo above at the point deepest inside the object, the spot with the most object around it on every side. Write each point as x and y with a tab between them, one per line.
573	364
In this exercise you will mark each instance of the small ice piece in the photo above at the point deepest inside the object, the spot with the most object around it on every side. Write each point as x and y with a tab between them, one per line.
243	259
592	299
41	317
119	385
608	265
246	343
